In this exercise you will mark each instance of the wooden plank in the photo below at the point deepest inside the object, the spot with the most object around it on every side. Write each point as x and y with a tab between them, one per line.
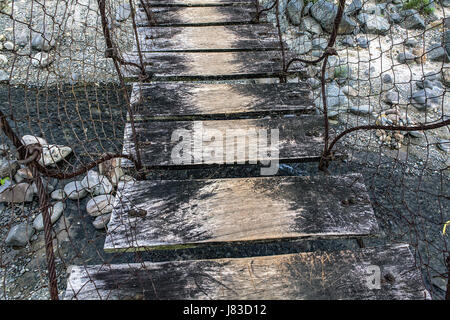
198	212
208	38
199	3
300	139
301	276
194	16
218	100
209	65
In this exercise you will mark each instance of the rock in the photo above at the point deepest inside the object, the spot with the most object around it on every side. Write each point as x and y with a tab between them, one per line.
100	205
58	194
42	42
411	19
348	41
325	12
23	174
425	98
4	148
387	78
19	235
410	43
123	12
320	43
304	44
314	83
436	52
360	110
30	139
446	76
112	170
406	57
101	221
6	184
21	192
392	97
447	41
294	11
127	178
362	42
75	190
41	60
8	168
52	154
49	187
444	145
415	134
8	45
349	91
353	8
55	211
336	98
96	183
374	24
310	25
3	60
4	76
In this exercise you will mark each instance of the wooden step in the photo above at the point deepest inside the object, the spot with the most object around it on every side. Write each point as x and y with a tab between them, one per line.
175	100
209	65
301	276
195	16
300	139
209	38
189	213
199	3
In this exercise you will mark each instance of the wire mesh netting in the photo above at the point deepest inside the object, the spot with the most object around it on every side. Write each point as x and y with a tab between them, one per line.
66	105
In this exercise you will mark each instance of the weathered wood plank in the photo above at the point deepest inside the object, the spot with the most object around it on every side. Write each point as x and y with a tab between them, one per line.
216	100
198	212
199	3
194	16
300	139
208	38
309	276
209	65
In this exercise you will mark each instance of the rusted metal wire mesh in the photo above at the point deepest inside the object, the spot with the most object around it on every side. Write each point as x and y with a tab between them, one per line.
379	72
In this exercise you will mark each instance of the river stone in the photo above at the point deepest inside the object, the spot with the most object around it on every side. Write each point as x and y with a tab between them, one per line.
411	19
55	211
436	52
30	139
4	76
52	154
96	183
304	44
47	185
58	194
294	11
101	221
406	57
444	145
392	97
21	192
42	42
354	7
8	45
325	12
8	168
19	235
41	60
100	205
361	110
3	60
75	190
310	25
374	24
123	12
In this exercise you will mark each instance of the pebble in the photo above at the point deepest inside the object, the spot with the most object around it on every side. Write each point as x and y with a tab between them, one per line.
123	12
392	97
96	183
4	76
101	221
387	78
360	110
41	60
42	42
444	145
21	192
30	139
362	42
3	60
100	205
56	210
19	235
52	154
75	190
25	174
406	57
8	168
58	194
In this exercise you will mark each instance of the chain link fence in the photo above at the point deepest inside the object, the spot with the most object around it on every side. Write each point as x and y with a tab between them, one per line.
379	74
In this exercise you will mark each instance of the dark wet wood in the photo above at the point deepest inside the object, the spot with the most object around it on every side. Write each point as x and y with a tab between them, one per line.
200	3
209	65
309	276
300	139
185	16
220	211
208	38
219	100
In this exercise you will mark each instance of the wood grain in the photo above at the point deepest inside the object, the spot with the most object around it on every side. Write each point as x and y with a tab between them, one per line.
302	276
300	139
211	211
208	38
209	65
197	16
218	100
